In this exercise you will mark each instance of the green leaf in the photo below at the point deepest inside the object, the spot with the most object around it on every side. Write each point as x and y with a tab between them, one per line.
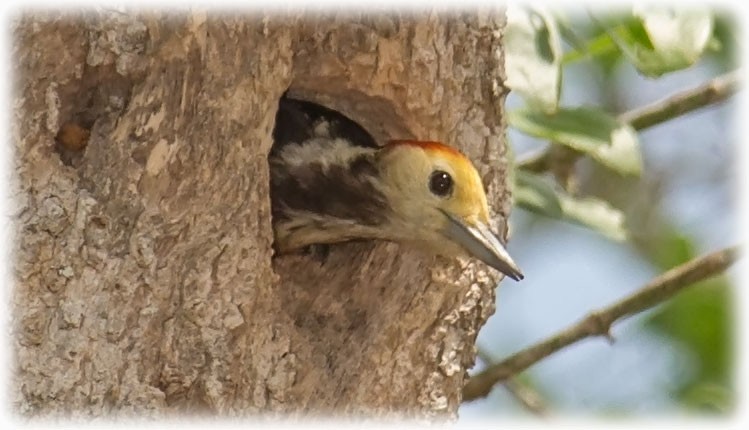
663	39
671	248
610	142
596	47
533	56
533	193
708	397
596	215
722	46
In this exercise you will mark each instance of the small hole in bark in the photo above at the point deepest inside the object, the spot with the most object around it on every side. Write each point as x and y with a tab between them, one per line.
98	221
71	141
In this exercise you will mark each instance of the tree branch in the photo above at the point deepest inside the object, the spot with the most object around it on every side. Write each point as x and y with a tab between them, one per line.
598	323
711	92
525	395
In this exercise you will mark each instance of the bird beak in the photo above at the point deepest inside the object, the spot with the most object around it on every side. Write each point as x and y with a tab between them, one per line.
480	242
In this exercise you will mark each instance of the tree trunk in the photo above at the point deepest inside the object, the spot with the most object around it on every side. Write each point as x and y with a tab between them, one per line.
145	276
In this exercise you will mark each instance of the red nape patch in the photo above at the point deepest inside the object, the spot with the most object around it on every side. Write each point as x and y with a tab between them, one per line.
427	146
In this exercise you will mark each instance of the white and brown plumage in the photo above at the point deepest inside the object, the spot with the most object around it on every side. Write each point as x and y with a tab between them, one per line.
330	182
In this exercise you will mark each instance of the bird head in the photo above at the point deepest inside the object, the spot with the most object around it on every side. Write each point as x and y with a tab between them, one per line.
438	202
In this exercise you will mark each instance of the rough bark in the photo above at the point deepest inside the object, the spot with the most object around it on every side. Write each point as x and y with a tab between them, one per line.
145	276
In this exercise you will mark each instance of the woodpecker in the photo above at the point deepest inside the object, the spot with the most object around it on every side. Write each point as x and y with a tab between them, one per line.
331	182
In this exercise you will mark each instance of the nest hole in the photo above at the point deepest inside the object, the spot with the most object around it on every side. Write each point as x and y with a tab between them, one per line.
338	290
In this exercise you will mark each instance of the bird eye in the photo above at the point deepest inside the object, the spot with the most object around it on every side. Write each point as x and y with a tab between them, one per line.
440	183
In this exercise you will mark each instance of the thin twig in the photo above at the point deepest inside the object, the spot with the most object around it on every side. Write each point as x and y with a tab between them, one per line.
528	398
598	323
711	92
